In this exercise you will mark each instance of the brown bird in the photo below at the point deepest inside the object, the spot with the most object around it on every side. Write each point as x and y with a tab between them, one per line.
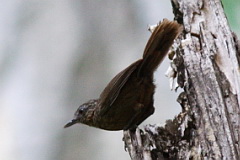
128	99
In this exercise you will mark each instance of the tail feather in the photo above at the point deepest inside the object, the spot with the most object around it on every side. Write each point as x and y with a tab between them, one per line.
158	45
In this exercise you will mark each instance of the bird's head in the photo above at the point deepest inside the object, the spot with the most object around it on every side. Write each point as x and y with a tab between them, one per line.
83	114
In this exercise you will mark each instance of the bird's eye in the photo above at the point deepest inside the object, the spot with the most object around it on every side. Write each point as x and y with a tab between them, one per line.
81	111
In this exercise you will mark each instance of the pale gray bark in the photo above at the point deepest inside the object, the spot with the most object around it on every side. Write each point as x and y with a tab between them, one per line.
207	67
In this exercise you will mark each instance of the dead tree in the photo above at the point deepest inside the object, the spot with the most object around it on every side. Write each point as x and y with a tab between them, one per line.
206	65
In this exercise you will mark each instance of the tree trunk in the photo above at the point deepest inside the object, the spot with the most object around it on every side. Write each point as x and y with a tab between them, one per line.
206	62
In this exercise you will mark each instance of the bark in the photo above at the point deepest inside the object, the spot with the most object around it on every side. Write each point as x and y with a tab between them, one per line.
206	63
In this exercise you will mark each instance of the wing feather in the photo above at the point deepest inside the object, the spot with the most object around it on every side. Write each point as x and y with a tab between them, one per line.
111	92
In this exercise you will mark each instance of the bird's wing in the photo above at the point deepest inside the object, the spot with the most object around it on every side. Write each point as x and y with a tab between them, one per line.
111	92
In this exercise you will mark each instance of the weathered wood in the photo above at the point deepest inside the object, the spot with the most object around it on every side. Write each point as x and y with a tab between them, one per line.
207	67
136	144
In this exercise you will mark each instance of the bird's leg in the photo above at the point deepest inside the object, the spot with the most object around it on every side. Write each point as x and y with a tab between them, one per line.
132	125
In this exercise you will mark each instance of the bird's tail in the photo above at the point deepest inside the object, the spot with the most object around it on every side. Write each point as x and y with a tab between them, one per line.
158	45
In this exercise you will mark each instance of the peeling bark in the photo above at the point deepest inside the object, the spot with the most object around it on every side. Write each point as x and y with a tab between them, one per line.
207	67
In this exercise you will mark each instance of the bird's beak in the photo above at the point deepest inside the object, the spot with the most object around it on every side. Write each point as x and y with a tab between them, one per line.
70	123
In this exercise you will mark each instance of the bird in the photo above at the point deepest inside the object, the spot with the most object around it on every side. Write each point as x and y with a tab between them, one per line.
128	98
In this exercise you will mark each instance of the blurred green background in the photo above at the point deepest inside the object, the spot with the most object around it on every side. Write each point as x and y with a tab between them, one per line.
232	10
55	55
